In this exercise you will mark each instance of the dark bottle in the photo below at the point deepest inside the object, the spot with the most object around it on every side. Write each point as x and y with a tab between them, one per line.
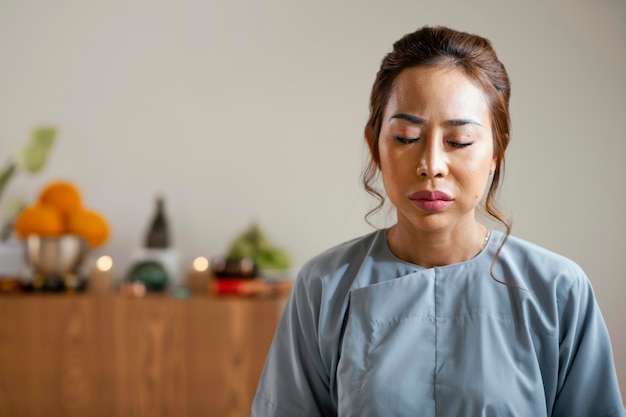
158	235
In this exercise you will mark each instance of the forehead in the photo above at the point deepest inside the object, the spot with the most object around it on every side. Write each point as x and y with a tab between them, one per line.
436	89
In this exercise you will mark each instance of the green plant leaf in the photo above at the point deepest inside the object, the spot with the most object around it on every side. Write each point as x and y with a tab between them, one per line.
5	176
35	154
254	243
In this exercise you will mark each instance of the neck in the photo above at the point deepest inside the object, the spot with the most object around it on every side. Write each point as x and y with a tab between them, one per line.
429	249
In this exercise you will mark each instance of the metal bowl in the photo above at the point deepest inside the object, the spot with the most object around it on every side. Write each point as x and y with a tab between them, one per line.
56	255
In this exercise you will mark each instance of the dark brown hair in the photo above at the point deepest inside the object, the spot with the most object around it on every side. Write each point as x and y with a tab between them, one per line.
441	46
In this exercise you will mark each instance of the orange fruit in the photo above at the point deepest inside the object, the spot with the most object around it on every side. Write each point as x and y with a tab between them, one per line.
62	195
90	225
39	219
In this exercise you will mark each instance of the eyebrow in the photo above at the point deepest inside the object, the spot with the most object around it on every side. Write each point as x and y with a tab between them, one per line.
419	121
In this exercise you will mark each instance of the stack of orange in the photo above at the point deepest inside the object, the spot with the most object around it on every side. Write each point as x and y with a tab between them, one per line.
59	211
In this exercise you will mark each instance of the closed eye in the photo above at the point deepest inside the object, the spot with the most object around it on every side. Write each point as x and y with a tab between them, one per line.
459	144
405	141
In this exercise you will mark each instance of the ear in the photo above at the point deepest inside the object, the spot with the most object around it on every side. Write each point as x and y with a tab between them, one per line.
369	138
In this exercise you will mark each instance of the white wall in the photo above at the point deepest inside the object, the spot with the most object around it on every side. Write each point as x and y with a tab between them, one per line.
239	111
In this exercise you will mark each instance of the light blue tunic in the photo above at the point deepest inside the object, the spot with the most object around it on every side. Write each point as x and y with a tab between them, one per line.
366	334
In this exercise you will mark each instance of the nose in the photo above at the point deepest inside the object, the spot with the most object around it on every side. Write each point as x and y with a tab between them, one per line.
432	160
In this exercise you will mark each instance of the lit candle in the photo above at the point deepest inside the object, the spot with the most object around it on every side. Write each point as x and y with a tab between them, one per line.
101	276
199	274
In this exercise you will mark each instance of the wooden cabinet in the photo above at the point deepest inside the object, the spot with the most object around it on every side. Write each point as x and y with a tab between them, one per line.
83	355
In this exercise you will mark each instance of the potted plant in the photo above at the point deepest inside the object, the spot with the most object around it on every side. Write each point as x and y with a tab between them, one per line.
31	159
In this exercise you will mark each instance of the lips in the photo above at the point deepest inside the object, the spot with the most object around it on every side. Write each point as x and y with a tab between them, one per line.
431	200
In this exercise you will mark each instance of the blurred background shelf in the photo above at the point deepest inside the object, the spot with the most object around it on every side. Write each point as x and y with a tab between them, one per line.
83	355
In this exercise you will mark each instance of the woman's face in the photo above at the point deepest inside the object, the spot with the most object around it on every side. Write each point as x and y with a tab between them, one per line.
436	148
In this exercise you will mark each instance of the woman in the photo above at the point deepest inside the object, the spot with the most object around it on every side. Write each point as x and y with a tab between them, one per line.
438	315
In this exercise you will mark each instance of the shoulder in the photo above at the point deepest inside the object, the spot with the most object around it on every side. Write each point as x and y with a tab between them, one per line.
339	256
539	267
531	252
329	276
534	255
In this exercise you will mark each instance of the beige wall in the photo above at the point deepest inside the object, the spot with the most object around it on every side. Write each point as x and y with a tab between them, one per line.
239	111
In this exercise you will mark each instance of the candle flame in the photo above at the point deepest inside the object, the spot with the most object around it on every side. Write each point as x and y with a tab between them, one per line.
201	264
104	263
